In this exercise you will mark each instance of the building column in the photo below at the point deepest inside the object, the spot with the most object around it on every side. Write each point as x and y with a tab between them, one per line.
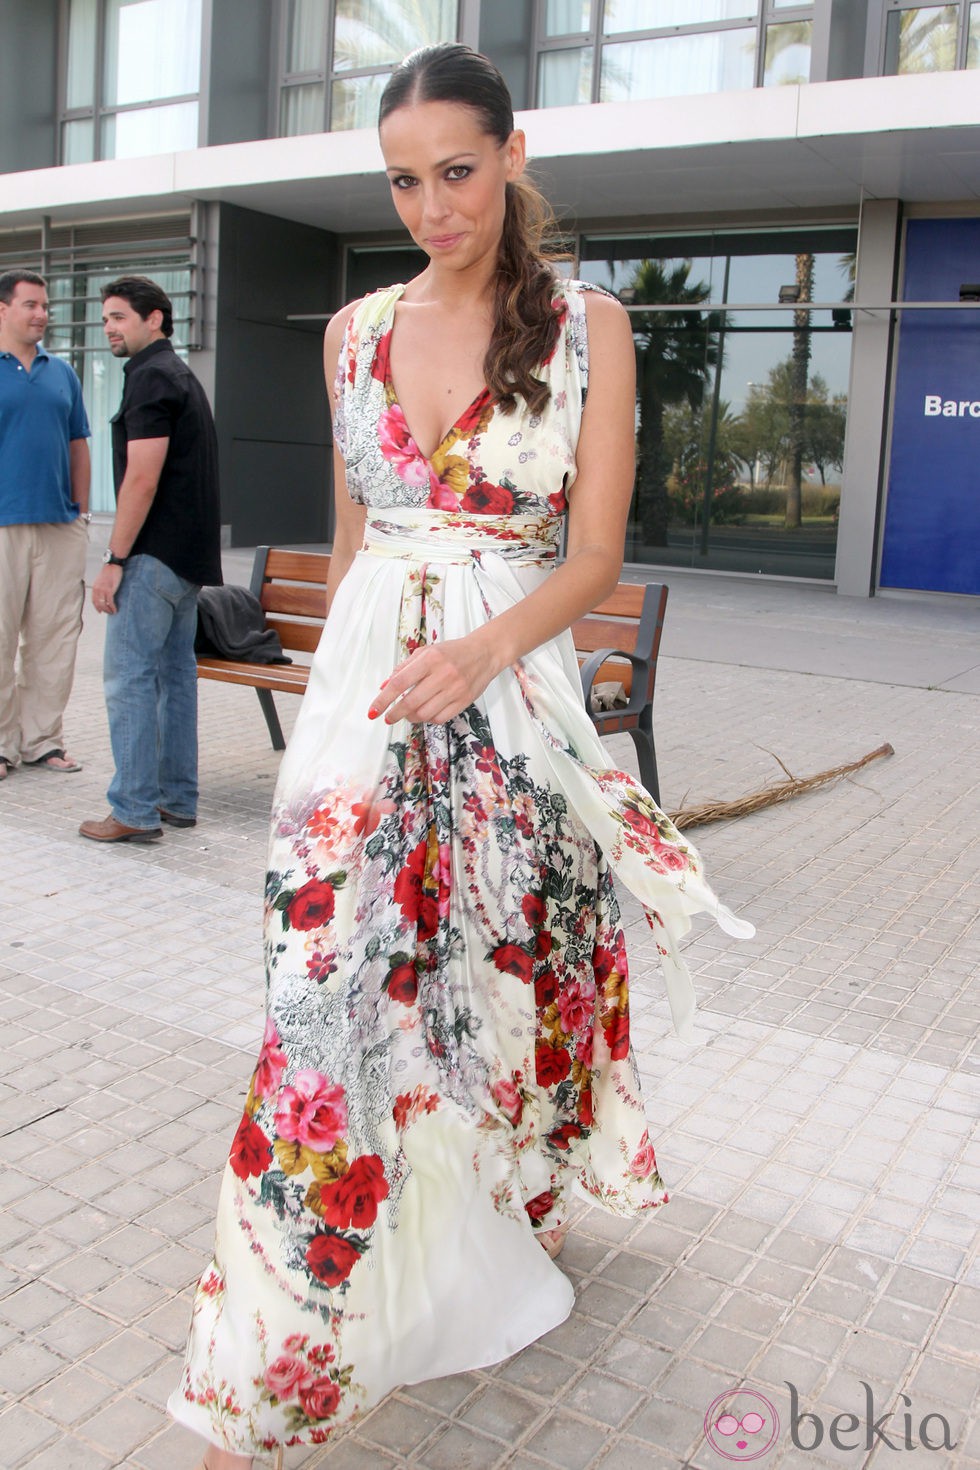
865	463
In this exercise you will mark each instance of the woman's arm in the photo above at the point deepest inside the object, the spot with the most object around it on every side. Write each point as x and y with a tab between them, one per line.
439	681
348	518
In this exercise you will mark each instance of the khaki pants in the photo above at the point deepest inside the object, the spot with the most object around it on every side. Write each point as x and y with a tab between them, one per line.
42	588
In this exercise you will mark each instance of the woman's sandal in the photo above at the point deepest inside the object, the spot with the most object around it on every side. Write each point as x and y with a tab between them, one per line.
551	1241
277	1463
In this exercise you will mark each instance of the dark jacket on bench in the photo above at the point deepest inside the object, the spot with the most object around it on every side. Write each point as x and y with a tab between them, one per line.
231	624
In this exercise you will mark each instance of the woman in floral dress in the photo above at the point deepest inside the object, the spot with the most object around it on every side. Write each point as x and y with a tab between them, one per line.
447	1045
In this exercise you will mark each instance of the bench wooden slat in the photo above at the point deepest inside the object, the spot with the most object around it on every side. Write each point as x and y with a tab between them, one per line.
288	678
590	634
290	586
297	637
285	597
296	566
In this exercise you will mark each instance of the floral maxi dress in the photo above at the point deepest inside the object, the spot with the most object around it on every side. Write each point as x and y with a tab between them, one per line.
447	1043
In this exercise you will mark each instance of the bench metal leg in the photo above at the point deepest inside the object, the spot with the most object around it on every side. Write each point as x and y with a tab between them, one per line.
647	759
271	718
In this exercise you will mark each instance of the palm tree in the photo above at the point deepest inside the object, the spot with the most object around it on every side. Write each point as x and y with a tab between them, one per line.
675	354
798	392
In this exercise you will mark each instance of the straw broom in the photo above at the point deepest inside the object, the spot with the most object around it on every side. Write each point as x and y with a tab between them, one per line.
719	811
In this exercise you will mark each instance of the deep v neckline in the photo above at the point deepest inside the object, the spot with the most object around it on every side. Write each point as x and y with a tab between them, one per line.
389	381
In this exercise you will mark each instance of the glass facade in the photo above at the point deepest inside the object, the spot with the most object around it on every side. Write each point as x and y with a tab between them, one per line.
337	58
132	78
630	50
741	409
924	38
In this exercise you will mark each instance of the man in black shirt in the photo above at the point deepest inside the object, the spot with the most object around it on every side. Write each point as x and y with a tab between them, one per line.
164	545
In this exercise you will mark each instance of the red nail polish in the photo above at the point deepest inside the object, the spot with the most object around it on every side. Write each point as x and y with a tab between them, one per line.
373	713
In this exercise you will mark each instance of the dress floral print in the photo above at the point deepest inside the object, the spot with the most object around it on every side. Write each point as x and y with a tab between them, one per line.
447	1046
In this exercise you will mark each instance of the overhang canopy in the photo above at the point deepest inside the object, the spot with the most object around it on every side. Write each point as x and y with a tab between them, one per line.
827	145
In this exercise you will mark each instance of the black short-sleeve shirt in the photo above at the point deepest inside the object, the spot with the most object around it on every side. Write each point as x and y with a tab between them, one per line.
162	399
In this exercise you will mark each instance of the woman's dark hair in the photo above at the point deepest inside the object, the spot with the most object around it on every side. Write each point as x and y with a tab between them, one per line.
143	296
525	324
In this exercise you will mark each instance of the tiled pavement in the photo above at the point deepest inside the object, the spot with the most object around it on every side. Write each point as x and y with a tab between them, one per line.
819	1143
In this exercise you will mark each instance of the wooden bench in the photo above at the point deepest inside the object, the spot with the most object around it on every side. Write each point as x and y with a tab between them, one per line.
619	641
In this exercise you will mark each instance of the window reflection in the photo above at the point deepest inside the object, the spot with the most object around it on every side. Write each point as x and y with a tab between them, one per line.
921	39
650	15
565	77
381	32
82	31
150	53
354	101
306	36
152	50
788	53
673	66
567	17
973	38
740	414
149	130
368	37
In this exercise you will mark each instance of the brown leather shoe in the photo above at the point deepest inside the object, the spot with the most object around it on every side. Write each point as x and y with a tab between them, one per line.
109	830
174	819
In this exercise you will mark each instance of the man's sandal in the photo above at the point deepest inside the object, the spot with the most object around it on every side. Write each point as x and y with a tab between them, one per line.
54	760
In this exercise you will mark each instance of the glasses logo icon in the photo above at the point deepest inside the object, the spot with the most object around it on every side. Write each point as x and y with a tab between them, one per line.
741	1425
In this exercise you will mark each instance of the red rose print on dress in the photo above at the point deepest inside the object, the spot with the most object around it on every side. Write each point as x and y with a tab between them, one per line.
534	910
644	1161
271	1064
487	499
552	1064
403	983
400	449
408	883
541	1205
353	1199
469	421
564	1136
331	1257
311	906
381	366
312	1112
441	495
514	961
320	1399
286	1376
251	1151
616	1029
545	989
508	1098
576	1007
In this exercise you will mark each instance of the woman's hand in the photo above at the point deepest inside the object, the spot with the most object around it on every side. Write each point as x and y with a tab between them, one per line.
435	683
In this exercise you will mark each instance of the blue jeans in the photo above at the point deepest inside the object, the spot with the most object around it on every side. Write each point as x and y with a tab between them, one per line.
150	678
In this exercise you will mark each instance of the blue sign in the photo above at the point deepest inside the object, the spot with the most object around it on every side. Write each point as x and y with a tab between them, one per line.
932	517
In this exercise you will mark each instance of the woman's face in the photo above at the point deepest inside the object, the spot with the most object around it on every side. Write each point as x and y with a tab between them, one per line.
447	179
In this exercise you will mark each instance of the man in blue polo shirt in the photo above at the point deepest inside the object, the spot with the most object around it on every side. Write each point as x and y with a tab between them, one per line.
44	488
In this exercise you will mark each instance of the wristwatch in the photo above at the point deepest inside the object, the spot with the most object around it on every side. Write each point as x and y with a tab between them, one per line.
109	559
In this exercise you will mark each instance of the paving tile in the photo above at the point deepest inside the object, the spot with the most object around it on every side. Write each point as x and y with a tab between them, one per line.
461	1448
566	1442
400	1426
71	1396
23	1434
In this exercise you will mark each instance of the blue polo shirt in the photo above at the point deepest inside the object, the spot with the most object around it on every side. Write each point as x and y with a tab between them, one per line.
41	411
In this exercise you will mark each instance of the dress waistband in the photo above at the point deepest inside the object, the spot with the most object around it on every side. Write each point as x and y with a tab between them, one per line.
450	536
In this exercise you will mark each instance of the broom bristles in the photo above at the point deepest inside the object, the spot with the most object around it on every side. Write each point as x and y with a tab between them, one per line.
719	811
